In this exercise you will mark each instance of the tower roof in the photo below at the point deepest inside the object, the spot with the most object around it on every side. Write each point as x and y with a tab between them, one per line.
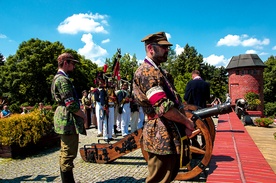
245	60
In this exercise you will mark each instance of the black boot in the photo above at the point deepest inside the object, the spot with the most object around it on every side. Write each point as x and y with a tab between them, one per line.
67	177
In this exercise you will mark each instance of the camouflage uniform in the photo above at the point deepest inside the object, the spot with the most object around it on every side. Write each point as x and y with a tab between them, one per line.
160	136
66	123
154	91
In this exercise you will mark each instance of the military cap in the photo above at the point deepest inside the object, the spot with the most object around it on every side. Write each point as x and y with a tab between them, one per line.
66	56
159	38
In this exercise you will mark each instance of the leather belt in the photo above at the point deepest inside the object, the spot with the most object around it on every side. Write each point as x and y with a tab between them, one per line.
111	105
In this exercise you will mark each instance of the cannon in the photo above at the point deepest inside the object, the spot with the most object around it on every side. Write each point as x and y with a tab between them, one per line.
200	144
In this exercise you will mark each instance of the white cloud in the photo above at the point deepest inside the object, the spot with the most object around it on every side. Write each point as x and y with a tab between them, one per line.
91	50
251	52
229	40
243	40
263	53
105	41
254	42
274	48
178	49
255	52
168	36
2	36
87	23
216	60
140	62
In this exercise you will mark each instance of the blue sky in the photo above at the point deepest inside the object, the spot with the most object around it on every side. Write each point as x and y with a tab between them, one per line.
218	29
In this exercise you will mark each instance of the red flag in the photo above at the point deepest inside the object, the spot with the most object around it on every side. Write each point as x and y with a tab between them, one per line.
117	71
105	68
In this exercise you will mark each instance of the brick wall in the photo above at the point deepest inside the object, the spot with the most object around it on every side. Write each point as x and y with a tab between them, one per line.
246	79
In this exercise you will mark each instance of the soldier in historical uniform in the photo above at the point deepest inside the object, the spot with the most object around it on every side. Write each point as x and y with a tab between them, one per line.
109	102
154	91
99	105
91	97
68	118
86	103
124	100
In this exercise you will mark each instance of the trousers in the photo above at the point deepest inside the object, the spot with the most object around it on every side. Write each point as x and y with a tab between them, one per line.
162	168
68	151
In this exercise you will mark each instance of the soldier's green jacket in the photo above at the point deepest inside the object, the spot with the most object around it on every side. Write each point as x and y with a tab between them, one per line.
65	121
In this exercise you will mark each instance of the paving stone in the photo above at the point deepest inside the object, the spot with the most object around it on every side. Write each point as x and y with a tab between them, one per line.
44	167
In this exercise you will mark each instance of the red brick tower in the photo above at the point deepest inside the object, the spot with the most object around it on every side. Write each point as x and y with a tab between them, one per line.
245	74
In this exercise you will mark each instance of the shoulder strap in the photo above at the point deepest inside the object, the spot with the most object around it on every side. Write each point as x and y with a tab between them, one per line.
53	86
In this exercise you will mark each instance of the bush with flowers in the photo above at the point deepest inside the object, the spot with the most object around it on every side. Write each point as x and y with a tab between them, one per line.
263	121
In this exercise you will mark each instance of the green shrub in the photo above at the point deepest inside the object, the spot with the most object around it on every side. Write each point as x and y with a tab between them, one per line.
253	100
24	129
270	109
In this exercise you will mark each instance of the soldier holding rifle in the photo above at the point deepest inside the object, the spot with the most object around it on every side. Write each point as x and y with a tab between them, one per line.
154	91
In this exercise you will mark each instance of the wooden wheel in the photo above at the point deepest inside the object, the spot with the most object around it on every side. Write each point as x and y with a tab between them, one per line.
208	121
205	133
201	155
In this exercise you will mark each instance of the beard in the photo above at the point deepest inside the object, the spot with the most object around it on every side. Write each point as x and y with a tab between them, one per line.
160	58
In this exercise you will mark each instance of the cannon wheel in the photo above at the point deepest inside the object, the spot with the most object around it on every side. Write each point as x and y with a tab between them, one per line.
202	128
208	121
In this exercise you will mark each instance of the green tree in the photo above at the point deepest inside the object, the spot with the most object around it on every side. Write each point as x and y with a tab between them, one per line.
2	58
269	80
26	76
182	65
188	60
217	77
169	64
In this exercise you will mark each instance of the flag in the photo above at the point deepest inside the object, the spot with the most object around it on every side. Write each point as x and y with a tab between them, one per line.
105	68
116	72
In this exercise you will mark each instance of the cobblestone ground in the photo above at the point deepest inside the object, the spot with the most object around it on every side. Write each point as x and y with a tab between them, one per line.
44	167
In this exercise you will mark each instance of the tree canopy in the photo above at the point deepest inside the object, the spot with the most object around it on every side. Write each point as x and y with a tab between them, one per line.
26	77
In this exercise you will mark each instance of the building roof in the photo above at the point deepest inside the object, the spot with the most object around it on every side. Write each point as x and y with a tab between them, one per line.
245	60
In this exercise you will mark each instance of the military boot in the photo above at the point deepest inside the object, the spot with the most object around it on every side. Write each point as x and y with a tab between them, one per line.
67	177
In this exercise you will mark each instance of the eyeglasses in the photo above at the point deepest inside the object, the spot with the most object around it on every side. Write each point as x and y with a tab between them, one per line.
71	62
162	46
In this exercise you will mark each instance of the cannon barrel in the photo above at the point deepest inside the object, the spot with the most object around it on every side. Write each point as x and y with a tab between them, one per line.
215	110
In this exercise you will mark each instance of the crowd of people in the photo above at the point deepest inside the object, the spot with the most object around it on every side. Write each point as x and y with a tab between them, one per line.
111	111
5	112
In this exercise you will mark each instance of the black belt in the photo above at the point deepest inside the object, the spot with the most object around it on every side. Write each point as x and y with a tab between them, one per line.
61	104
